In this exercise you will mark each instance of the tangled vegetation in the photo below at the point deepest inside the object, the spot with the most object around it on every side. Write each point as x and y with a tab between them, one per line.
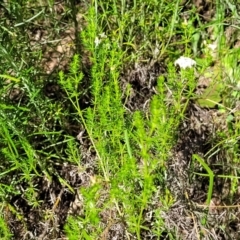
107	132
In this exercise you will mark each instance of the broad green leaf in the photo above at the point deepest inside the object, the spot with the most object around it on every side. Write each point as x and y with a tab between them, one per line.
210	97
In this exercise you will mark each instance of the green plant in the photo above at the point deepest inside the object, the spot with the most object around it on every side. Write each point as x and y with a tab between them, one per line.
129	150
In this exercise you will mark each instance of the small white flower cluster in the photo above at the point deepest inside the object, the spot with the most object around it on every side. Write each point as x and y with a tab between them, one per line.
99	39
185	62
212	48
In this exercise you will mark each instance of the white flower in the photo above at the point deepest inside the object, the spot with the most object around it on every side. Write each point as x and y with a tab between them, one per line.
213	49
212	46
184	62
102	35
97	41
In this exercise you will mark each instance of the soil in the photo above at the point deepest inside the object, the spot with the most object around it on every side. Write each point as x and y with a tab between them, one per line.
199	127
